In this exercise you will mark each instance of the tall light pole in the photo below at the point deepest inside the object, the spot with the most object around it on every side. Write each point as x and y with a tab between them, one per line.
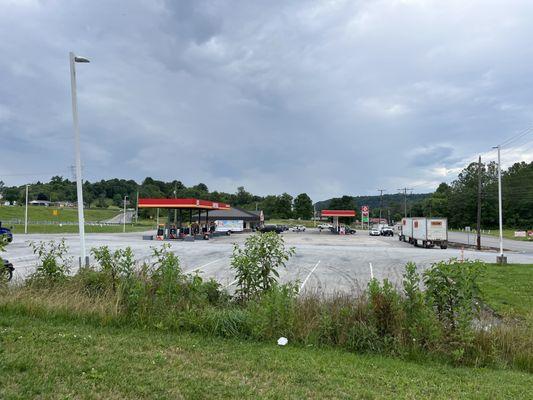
124	217
501	259
84	259
26	213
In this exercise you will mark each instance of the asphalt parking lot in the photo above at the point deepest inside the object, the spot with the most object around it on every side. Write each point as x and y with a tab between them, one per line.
324	262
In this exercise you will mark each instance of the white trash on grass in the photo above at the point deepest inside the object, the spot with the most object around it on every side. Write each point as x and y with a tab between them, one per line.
282	341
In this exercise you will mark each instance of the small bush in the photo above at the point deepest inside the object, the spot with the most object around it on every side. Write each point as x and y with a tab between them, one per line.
452	291
54	263
256	265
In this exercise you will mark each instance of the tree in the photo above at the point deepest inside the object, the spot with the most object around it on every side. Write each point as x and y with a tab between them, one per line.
303	206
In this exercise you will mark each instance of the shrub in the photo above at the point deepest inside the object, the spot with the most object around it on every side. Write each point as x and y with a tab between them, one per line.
114	265
452	291
256	265
420	325
54	263
273	313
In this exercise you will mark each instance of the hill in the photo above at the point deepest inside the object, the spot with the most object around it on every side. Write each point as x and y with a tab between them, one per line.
392	201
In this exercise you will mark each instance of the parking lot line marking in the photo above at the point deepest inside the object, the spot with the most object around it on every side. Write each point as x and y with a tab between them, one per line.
203	266
308	275
228	285
371	271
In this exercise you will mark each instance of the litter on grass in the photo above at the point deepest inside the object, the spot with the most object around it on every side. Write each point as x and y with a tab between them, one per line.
282	341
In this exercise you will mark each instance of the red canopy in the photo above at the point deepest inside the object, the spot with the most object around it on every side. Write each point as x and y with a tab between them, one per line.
183	203
337	213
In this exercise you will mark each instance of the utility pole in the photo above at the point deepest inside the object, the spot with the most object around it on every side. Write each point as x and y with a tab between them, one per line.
405	200
380	204
26	213
478	245
501	259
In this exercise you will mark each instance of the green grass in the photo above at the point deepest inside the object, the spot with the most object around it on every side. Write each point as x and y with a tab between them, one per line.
37	213
64	358
88	228
507	233
508	289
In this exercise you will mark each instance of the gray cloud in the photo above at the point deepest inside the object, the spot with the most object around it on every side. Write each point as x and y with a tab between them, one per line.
323	97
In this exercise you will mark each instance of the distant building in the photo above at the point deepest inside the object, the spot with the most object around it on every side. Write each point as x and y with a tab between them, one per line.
250	219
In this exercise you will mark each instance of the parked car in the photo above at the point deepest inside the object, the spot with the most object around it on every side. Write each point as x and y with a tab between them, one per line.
298	228
271	228
6	270
374	232
324	226
349	230
386	231
6	236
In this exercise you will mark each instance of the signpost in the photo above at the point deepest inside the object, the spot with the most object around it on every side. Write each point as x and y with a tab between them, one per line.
364	216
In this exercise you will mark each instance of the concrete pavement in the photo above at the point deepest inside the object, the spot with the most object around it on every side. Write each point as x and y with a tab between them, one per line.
327	263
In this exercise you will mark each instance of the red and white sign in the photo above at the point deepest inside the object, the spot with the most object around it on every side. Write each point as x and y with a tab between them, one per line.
364	209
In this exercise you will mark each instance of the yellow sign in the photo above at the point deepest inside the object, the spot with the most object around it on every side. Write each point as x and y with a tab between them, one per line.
55	212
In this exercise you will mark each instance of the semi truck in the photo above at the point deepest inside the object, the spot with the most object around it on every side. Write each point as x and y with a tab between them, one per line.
425	232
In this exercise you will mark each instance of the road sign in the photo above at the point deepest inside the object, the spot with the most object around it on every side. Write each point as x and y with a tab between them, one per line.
55	213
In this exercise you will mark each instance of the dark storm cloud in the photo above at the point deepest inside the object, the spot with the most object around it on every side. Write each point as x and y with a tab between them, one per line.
330	98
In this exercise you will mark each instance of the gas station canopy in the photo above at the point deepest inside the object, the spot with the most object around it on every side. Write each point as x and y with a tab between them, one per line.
183	203
337	213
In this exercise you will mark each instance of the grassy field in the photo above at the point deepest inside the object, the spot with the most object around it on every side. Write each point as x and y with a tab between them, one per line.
60	358
507	233
142	226
508	289
36	213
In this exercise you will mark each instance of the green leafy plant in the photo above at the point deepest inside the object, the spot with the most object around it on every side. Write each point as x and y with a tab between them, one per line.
256	265
452	290
54	262
420	325
115	264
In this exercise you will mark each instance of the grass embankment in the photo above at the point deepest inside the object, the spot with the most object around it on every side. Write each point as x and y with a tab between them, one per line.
39	213
61	358
507	233
141	226
508	289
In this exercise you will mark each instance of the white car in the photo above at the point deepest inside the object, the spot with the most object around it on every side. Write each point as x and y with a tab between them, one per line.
324	226
298	228
374	232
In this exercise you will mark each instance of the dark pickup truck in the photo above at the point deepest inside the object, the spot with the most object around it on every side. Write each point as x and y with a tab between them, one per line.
271	228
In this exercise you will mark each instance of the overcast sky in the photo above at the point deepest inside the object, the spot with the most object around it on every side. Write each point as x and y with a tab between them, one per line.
323	97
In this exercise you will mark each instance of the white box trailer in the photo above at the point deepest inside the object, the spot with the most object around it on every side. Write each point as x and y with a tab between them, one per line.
427	232
430	232
406	230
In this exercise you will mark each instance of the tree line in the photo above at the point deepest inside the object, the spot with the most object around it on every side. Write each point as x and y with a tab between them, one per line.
111	192
456	201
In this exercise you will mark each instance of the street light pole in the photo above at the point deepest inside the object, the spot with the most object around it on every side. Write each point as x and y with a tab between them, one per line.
79	188
501	259
124	217
26	213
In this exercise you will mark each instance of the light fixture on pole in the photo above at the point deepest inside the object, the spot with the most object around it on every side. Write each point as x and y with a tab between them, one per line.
501	259
124	216
84	259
